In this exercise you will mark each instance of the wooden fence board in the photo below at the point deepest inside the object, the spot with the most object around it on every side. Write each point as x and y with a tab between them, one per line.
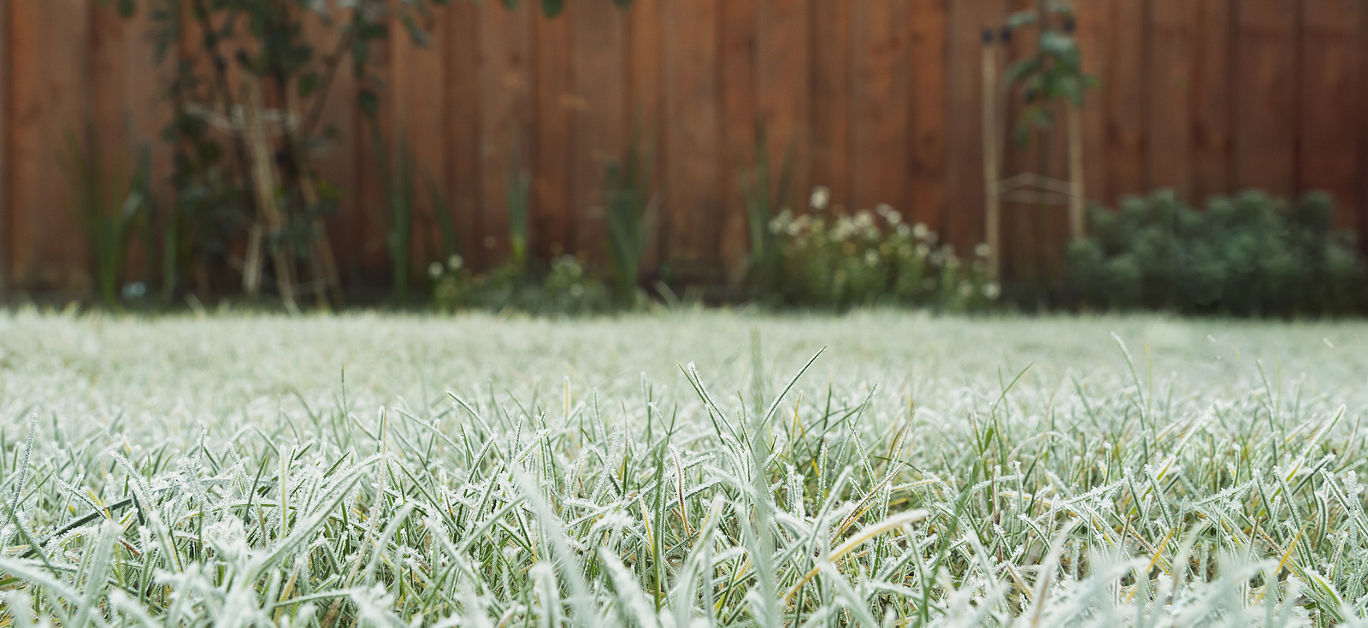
416	72
554	218
927	26
964	156
1124	95
600	121
783	86
879	153
692	130
505	120
829	139
1169	104
739	80
6	180
336	158
1265	114
463	130
880	99
1332	99
646	90
49	103
1213	100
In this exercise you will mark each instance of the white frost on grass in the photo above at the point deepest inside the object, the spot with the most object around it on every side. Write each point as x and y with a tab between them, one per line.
217	469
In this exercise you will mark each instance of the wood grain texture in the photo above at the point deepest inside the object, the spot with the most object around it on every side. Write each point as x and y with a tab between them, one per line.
1123	95
964	223
600	123
554	217
1332	84
831	34
928	25
463	128
50	106
881	63
505	119
1170	65
1265	112
740	79
693	130
1212	100
880	101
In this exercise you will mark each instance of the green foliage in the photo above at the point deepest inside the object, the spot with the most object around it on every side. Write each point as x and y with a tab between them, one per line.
565	288
110	204
206	43
630	213
518	197
1248	255
873	258
762	204
1053	73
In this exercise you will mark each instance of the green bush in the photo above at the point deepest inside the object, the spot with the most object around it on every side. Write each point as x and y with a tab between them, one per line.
564	288
873	258
1248	255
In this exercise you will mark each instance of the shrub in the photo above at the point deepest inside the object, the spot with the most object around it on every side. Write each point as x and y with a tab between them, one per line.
565	288
1247	255
873	258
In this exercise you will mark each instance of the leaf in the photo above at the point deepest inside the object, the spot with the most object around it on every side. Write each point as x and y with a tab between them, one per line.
552	8
308	84
369	102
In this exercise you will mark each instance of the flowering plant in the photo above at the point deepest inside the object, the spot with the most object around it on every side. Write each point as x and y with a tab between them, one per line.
873	257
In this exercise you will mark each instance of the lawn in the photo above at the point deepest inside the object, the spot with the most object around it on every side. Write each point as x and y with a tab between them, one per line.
680	467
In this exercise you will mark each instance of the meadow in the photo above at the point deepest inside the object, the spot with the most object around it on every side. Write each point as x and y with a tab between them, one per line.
680	468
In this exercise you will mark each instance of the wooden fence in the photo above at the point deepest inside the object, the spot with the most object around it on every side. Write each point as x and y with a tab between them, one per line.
879	100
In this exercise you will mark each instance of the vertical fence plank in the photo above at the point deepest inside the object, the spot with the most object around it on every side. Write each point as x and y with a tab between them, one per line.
1213	99
1094	29
1332	89
599	132
927	25
417	71
783	87
554	219
50	104
1123	93
739	69
964	224
692	128
646	89
463	128
829	141
335	158
880	149
1265	122
129	113
1169	95
6	180
506	117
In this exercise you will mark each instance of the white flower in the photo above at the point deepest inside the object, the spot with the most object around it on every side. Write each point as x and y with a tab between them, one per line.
981	249
965	290
920	230
992	290
871	257
455	262
893	217
435	270
821	195
902	230
883	209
